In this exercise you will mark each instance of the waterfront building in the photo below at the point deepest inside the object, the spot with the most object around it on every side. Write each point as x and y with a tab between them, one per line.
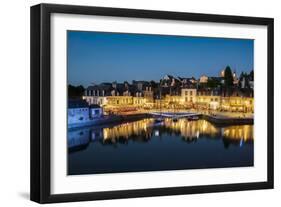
237	104
117	104
97	94
119	100
239	101
172	102
208	99
96	111
77	111
188	95
148	93
139	101
208	102
213	99
173	93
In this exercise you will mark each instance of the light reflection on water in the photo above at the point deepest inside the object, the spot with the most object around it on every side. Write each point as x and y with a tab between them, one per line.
183	127
208	144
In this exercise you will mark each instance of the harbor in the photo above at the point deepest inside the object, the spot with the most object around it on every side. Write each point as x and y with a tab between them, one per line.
212	118
141	102
147	144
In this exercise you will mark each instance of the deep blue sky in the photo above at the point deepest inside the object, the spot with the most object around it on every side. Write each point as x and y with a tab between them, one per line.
95	57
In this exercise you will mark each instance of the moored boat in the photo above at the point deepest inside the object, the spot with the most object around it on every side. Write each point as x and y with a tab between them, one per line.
193	118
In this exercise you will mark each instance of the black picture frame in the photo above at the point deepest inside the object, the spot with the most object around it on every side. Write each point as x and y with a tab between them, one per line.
40	102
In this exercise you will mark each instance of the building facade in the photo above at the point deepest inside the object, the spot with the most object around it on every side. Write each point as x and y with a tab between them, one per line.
188	95
77	112
173	93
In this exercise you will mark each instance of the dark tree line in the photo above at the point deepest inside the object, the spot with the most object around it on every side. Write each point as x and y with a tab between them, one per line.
75	92
228	78
227	84
245	78
213	83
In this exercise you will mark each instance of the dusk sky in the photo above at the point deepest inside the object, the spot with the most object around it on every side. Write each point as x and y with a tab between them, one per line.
95	57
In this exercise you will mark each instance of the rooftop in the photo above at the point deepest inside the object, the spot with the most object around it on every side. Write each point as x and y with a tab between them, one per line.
77	103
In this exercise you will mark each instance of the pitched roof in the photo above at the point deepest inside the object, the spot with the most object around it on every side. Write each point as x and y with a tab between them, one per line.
77	103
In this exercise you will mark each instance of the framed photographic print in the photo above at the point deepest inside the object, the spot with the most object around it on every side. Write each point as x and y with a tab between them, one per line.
132	103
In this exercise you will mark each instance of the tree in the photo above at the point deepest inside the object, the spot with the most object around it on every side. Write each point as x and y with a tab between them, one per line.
153	84
251	75
75	91
245	78
213	83
228	78
228	81
241	79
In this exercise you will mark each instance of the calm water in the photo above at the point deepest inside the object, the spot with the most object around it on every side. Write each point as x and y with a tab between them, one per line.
147	146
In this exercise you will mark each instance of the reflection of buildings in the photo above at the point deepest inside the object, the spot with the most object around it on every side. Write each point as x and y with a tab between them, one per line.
196	129
143	130
78	139
192	129
171	92
96	134
244	132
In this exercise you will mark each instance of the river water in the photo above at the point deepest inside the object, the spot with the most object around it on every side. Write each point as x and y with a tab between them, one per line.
146	145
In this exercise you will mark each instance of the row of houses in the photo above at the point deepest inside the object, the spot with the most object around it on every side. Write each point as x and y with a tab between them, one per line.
171	92
79	111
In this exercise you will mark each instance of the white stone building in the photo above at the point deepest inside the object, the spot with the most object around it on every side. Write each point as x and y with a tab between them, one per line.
95	111
77	112
188	95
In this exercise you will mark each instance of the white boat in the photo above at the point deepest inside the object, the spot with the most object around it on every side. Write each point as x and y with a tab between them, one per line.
193	118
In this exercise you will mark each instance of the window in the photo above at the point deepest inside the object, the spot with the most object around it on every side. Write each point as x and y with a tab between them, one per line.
190	93
97	112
